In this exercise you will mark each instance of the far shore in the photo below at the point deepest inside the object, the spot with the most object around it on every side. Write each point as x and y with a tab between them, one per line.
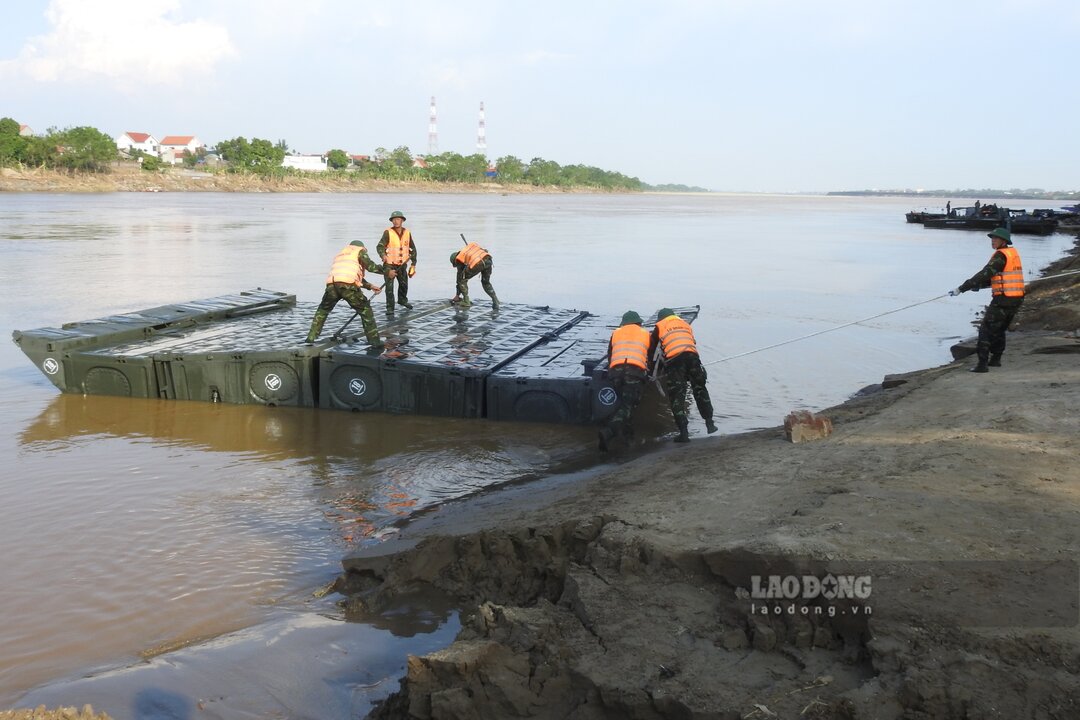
129	179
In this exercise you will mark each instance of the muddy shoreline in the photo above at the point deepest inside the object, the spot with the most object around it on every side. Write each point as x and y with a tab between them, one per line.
629	592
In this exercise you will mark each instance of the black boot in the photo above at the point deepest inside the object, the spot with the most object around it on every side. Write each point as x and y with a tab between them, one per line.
995	360
684	435
983	356
710	426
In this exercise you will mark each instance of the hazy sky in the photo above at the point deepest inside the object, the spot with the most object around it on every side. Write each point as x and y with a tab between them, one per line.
757	95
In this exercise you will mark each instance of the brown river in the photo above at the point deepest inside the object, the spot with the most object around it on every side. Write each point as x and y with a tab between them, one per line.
163	558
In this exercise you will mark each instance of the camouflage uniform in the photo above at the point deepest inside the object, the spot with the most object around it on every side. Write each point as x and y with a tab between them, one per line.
628	382
680	371
628	360
998	315
464	274
357	301
402	271
685	369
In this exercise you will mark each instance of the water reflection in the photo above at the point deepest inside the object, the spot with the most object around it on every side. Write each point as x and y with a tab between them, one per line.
367	470
321	437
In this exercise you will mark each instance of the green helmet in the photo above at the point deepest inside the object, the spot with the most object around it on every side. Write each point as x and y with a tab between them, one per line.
357	243
396	214
663	313
453	257
630	318
1001	233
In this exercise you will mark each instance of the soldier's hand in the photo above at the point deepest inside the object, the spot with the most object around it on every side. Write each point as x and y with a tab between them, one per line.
957	291
412	269
377	291
392	274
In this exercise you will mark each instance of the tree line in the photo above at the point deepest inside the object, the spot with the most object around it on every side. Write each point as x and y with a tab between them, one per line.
263	157
86	149
78	149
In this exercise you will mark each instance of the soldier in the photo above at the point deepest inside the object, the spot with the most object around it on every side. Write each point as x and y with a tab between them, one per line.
344	282
681	367
396	249
628	368
469	261
1004	275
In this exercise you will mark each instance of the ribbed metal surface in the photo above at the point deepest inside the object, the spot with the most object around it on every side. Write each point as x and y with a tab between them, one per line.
468	340
522	362
51	349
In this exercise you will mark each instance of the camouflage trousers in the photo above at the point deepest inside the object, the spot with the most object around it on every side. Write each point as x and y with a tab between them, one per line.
402	280
483	269
353	295
678	373
998	316
629	384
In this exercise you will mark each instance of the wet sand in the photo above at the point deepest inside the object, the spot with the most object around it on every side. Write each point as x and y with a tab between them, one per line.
630	592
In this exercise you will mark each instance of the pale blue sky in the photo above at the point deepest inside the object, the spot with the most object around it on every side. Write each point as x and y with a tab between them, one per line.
755	95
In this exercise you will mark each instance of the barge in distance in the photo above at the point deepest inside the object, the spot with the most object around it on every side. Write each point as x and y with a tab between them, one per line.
988	217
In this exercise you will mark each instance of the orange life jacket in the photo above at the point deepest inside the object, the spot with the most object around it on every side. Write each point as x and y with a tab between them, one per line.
347	267
472	255
1010	281
630	346
398	248
676	337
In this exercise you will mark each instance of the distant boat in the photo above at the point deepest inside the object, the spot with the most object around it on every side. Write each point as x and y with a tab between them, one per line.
987	217
918	216
1029	225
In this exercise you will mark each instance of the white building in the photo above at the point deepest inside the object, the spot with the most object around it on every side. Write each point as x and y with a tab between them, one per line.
313	163
137	141
174	147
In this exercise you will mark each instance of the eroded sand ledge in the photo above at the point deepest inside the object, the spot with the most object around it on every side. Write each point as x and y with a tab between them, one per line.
618	596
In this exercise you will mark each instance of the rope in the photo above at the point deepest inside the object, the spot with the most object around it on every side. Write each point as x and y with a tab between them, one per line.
856	322
1055	277
822	332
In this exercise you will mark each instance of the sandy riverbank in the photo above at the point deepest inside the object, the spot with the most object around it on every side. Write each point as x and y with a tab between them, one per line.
64	713
133	179
629	593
